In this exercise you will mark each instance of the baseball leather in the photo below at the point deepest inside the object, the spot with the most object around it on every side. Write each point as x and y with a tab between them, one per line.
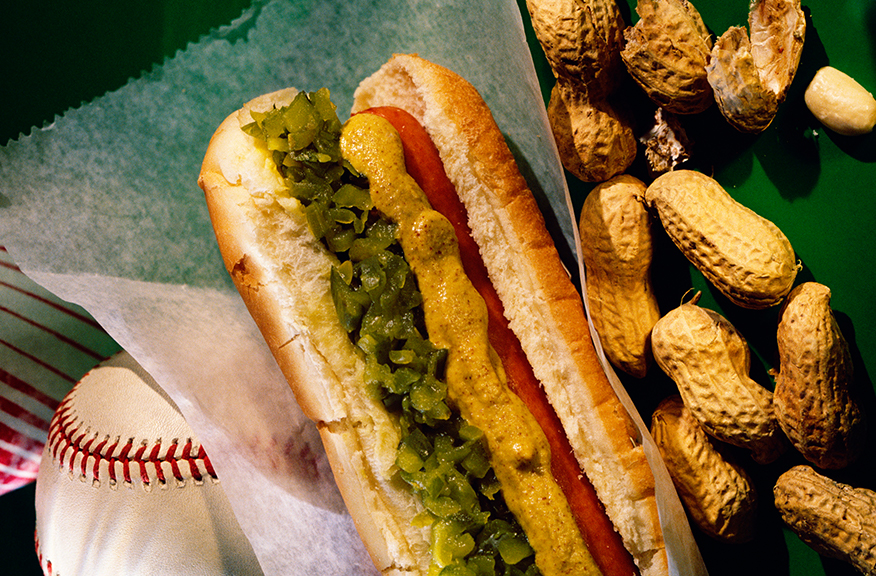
125	487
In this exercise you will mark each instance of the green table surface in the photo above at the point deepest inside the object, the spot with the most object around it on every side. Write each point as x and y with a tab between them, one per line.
818	187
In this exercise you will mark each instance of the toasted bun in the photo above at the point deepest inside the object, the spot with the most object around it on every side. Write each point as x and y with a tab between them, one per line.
282	273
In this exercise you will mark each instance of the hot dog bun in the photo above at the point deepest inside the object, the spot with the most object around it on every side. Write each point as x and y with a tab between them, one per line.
285	285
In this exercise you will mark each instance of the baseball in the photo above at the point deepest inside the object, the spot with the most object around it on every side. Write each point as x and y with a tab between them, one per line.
124	487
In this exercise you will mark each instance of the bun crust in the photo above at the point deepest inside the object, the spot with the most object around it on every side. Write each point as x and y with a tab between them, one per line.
285	287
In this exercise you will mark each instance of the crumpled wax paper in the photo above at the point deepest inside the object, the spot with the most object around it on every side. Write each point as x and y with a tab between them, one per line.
102	208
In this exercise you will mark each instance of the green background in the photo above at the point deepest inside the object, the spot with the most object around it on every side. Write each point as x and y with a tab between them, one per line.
819	188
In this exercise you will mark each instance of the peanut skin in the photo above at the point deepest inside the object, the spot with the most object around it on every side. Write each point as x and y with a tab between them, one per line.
717	492
617	249
835	519
813	401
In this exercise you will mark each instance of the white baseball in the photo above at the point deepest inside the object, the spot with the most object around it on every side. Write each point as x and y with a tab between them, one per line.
124	487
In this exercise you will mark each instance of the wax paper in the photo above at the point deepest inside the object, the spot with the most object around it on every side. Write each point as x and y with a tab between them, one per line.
102	208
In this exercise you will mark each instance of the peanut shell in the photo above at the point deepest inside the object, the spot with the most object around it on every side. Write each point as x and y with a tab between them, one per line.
835	519
666	53
742	254
778	31
717	492
813	401
617	249
709	361
750	76
735	79
594	141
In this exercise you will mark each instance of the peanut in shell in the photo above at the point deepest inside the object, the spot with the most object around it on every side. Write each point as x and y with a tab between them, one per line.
813	397
617	249
717	492
833	518
581	40
742	254
709	361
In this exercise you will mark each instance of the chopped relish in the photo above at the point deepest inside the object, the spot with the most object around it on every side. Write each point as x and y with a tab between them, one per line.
442	459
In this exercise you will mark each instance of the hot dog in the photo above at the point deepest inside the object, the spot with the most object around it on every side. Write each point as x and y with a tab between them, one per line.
402	275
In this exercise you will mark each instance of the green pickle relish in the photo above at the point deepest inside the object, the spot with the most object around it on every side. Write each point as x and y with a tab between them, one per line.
443	459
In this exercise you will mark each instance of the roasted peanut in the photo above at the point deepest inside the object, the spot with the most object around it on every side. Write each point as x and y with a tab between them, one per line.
594	141
666	53
709	361
717	492
813	401
751	76
617	249
741	253
840	103
835	519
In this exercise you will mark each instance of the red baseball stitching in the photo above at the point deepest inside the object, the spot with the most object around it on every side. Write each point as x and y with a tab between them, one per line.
67	441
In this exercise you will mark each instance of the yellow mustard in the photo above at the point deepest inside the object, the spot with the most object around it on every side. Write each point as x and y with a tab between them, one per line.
456	319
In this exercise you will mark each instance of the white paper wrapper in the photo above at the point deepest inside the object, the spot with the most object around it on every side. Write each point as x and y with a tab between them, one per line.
102	208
